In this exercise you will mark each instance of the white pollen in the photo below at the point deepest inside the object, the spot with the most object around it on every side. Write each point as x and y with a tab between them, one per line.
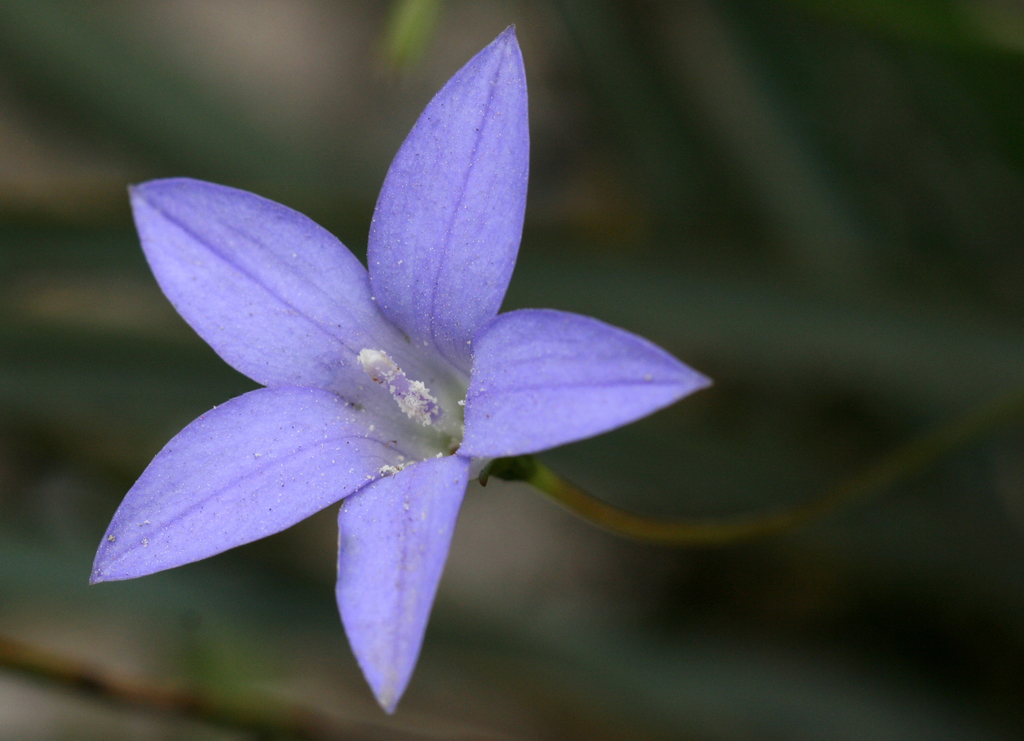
413	397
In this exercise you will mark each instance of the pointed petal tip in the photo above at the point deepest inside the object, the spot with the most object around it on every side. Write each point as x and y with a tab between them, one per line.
153	192
544	378
105	566
135	191
101	573
100	578
508	42
100	563
278	297
149	188
393	542
448	222
388	697
147	185
696	380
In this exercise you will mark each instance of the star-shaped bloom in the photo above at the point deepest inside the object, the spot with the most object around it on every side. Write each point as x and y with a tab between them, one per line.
387	388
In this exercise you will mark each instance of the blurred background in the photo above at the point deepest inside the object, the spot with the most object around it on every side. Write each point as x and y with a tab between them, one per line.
818	203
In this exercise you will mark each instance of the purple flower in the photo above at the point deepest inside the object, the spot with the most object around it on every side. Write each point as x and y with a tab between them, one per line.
387	388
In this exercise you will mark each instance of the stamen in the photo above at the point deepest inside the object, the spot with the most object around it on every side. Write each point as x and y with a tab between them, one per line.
413	397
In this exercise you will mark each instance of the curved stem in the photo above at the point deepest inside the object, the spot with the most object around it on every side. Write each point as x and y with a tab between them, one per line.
903	462
266	717
270	718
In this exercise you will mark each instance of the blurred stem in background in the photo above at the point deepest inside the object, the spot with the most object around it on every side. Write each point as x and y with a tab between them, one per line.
258	714
721	88
262	715
110	85
817	200
410	28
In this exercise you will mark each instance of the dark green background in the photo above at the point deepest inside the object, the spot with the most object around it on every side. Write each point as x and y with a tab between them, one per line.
820	204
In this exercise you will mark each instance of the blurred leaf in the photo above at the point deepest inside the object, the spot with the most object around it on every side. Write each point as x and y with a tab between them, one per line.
929	358
409	31
97	78
632	96
935	21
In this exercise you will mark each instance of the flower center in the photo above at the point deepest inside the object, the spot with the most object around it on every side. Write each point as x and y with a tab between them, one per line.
413	397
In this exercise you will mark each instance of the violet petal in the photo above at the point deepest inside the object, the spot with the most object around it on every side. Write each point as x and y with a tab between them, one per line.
277	296
246	469
449	217
543	378
392	545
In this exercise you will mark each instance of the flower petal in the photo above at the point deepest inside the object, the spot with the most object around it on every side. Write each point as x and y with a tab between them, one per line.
449	218
277	296
543	378
392	545
246	469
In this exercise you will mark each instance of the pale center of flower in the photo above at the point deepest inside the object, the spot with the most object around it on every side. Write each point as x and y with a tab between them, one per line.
413	397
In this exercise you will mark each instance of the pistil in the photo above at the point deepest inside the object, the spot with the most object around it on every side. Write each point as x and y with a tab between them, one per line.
413	397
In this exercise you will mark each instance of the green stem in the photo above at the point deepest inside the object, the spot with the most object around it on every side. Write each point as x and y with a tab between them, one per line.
900	464
270	718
